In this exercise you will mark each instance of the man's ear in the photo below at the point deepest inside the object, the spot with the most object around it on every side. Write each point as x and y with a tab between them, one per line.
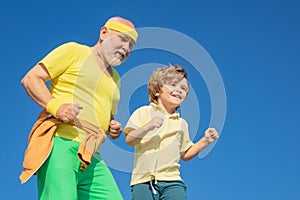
103	33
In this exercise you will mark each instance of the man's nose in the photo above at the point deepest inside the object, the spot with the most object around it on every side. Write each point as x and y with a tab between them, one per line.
127	48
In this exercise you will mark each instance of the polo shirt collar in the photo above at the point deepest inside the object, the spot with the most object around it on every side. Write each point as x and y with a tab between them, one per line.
156	107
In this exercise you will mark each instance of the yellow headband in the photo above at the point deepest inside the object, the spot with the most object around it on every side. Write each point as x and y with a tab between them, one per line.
117	26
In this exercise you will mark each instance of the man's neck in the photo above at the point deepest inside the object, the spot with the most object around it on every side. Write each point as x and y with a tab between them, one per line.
104	66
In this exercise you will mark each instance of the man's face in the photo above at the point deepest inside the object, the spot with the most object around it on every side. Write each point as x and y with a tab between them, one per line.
116	47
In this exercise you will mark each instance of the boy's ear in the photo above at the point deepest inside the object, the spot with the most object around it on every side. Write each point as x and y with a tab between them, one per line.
156	94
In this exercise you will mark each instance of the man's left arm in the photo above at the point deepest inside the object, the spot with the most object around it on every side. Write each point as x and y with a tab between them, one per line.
115	128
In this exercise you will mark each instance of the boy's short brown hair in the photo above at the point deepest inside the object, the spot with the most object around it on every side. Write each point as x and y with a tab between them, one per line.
161	76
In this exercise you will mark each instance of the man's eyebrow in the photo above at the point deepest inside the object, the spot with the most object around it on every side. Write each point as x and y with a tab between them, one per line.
132	42
124	36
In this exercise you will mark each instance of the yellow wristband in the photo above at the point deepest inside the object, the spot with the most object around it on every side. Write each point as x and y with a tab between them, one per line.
53	105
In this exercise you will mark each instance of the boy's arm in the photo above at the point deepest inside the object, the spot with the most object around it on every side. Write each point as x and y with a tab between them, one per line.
134	136
210	135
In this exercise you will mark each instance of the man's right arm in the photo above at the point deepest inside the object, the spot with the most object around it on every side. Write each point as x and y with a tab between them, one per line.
35	86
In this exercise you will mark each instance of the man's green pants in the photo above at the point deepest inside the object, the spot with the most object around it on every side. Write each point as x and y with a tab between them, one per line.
60	177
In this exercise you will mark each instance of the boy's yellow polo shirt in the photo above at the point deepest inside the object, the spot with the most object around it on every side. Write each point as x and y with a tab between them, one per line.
157	155
77	78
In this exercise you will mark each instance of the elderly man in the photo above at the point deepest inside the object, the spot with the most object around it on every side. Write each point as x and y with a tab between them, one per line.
83	96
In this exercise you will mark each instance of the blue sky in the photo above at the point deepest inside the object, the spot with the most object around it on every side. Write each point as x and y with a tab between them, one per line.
253	47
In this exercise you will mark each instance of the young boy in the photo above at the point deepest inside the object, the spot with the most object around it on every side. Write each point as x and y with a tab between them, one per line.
160	137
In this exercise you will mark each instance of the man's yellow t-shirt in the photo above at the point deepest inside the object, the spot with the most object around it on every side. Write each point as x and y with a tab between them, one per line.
77	78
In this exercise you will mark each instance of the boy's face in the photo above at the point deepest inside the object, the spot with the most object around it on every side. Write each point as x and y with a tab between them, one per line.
174	93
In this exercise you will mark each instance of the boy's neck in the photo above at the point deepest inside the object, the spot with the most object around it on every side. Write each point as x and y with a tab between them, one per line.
168	108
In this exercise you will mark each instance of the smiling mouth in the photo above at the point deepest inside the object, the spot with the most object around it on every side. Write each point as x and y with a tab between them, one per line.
177	96
121	53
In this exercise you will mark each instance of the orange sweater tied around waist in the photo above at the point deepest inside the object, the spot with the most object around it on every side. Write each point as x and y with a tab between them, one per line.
40	143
